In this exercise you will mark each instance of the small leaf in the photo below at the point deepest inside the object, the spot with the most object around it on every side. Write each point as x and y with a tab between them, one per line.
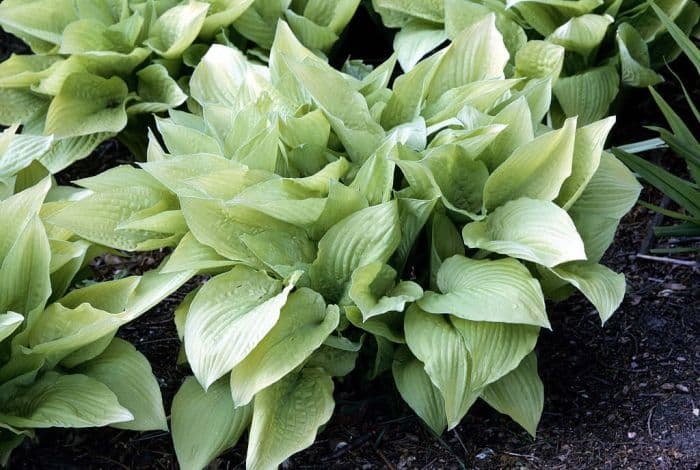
603	287
65	401
128	375
529	229
177	28
536	169
286	417
374	290
87	104
495	348
520	395
304	324
228	318
483	290
418	391
448	365
369	235
205	423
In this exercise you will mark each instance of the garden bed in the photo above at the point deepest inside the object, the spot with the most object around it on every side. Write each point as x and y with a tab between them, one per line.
622	396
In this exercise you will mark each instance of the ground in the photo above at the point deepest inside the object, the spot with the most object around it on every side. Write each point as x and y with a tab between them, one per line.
620	396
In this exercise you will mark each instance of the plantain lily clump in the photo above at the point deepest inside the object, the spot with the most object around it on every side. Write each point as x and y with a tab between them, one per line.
60	362
419	222
594	46
100	67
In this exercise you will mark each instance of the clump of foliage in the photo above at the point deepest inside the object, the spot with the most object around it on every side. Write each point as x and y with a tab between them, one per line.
596	44
100	66
681	141
423	222
60	363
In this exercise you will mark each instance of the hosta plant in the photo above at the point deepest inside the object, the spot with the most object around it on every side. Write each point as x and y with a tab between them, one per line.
592	46
60	363
424	221
99	66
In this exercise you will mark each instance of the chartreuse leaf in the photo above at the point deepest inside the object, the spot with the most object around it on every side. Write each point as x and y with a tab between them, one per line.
484	290
9	322
536	169
417	389
495	348
634	58
415	40
190	254
20	105
221	14
87	104
431	10
588	147
388	325
539	59
64	152
283	422
128	375
221	225
157	90
21	151
448	366
445	241
459	14
314	36
24	271
24	252
335	362
517	118
610	194
529	229
413	215
582	34
520	394
177	28
345	108
477	53
228	318
546	15
66	401
22	19
205	423
181	139
219	76
409	91
20	209
304	324
369	235
588	95
603	287
459	178
99	217
374	290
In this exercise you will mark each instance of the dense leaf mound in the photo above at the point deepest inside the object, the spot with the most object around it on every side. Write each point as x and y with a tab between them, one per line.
423	219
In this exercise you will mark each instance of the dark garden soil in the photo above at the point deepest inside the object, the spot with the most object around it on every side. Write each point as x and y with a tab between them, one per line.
620	396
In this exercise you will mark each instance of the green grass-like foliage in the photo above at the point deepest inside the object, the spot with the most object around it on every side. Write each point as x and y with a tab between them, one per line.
424	221
591	47
100	66
60	363
680	139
